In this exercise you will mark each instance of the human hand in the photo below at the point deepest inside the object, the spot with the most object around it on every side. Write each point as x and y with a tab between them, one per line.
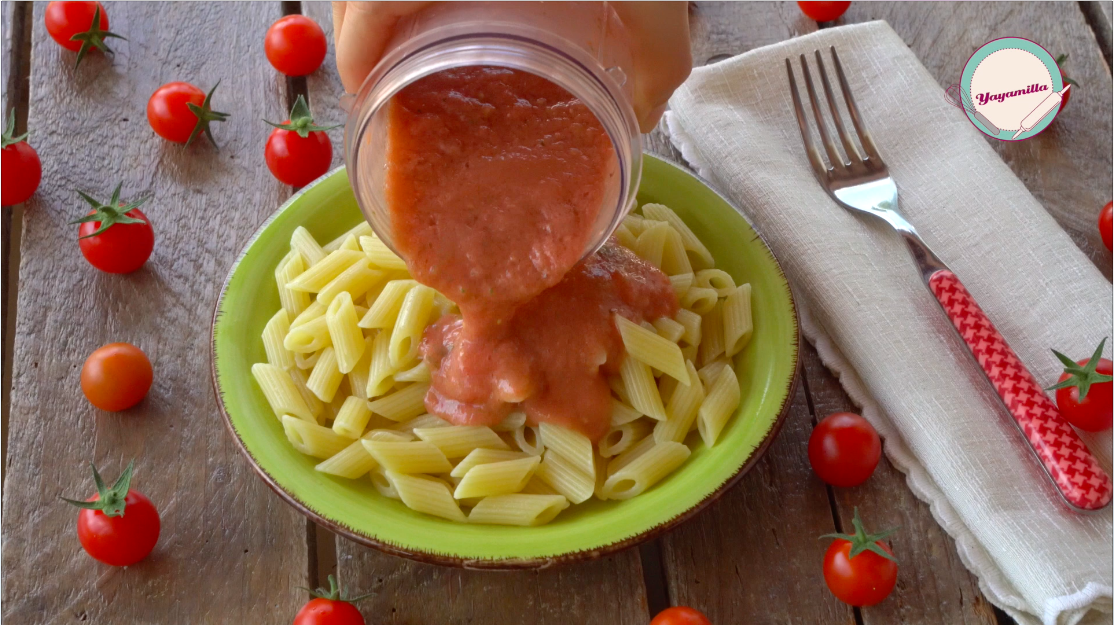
659	33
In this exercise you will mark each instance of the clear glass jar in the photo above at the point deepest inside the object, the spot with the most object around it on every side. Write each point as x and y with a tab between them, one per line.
581	46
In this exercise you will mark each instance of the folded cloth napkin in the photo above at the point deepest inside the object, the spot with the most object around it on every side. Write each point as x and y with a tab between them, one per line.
878	328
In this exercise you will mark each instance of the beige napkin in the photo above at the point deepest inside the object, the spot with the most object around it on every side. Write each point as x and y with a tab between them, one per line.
876	325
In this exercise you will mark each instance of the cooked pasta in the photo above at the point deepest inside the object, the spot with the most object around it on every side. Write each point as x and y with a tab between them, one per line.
344	377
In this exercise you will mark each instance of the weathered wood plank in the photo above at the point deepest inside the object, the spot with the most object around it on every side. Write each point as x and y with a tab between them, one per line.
230	551
932	585
607	592
1068	167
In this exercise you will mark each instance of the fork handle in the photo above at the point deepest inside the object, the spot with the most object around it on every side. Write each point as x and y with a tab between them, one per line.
1073	469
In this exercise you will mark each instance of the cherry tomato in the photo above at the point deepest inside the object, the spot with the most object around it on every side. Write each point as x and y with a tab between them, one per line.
116	377
115	237
824	11
1060	60
117	525
1083	393
329	607
680	616
859	569
295	45
78	26
1105	225
172	118
22	169
844	449
298	151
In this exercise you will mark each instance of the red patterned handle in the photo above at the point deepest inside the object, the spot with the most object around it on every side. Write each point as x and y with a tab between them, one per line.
1069	463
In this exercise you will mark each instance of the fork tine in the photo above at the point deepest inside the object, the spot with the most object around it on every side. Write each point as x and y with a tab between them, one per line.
833	154
818	166
848	145
856	119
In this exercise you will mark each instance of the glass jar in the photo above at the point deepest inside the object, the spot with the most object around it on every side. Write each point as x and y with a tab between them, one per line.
580	46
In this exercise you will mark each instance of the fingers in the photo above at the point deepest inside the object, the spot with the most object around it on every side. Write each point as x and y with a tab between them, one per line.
662	57
362	32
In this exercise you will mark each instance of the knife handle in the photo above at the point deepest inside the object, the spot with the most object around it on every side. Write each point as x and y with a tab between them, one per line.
1076	473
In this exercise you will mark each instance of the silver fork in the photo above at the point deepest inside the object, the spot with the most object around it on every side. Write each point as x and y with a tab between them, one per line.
860	182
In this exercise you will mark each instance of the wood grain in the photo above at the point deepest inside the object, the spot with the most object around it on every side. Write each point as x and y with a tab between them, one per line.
1068	167
607	592
932	586
230	551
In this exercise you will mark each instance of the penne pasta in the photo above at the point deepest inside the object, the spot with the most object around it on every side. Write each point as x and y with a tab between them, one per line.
351	462
401	405
293	302
407	457
380	255
623	437
417	373
352	418
699	299
528	440
306	361
710	371
426	495
537	487
280	392
634	223
317	276
622	413
681	410
421	421
631	454
650	245
619	388
511	422
518	509
361	229
358	376
313	311
717	279
639	382
692	324
304	243
564	477
625	237
383	483
273	334
345	335
674	259
355	280
652	349
309	337
691	352
380	369
712	324
497	478
681	284
646	470
413	317
482	455
688	238
572	446
458	441
325	378
669	329
383	311
737	322
316	406
722	400
312	439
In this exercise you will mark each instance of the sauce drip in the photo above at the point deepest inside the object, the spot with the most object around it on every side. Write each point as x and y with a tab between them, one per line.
495	180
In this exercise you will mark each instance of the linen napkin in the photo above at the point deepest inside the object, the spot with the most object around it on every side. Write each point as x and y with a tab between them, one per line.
879	329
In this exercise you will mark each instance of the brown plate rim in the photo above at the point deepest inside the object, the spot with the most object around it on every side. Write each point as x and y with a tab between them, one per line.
508	564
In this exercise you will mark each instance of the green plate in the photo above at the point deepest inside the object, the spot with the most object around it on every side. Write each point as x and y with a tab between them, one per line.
767	371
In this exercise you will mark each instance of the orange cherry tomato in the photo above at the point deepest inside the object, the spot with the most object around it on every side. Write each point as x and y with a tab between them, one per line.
116	377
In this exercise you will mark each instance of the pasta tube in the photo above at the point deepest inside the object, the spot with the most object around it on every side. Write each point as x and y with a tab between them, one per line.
497	478
646	470
426	495
458	441
325	378
656	351
408	457
402	404
346	336
737	322
413	317
380	255
280	392
518	509
722	400
273	334
352	418
304	243
688	238
639	382
312	439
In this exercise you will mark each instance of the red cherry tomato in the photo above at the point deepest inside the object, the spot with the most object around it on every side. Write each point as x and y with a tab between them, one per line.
1093	412
66	19
680	616
116	377
118	525
115	237
329	607
169	113
868	576
295	45
22	169
824	11
1105	225
298	151
844	449
1060	60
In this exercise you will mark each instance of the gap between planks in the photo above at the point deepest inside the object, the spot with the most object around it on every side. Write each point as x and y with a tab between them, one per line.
17	94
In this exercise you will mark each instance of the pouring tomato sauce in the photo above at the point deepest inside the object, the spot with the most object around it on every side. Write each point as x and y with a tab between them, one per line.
495	180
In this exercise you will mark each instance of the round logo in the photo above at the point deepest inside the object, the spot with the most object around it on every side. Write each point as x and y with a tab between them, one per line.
1011	89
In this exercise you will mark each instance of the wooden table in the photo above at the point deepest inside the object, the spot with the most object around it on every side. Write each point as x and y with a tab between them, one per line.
231	551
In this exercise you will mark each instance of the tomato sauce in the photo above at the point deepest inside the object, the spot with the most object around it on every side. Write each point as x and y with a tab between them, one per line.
495	180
